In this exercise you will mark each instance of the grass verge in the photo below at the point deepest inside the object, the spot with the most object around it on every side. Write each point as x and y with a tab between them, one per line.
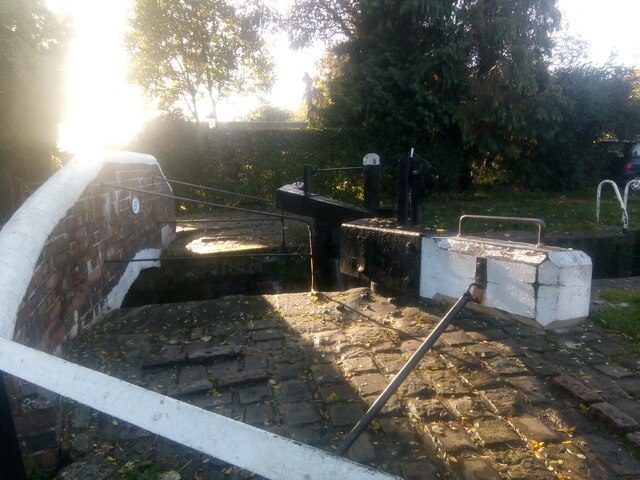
622	314
562	212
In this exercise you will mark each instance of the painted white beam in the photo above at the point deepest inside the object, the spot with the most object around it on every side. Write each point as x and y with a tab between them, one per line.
543	286
234	442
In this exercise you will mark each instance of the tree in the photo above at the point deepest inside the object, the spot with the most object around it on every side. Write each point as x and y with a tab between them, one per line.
32	49
601	102
416	72
328	21
269	113
512	105
185	50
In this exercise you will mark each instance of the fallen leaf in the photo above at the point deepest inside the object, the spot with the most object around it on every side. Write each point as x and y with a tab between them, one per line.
169	475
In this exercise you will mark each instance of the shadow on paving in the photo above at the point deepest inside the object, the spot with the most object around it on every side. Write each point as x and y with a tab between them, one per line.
494	399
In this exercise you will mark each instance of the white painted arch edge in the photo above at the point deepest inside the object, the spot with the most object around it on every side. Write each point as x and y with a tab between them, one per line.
23	237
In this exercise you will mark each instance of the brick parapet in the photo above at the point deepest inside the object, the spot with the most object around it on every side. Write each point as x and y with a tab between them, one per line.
69	269
76	270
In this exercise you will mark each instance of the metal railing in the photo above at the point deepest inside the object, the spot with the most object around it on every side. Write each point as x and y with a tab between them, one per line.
372	172
542	227
622	200
258	451
217	190
270	455
280	216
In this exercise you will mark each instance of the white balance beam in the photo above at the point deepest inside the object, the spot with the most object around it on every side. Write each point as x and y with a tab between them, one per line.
543	286
250	448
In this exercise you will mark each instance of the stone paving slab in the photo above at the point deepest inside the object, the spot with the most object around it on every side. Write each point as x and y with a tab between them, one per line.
492	400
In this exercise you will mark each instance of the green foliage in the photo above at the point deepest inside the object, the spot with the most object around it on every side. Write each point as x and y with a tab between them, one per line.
561	212
254	162
32	48
423	73
472	77
599	102
186	50
270	113
143	471
37	473
622	314
327	21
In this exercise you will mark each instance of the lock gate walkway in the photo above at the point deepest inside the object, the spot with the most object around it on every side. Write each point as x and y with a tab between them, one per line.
494	399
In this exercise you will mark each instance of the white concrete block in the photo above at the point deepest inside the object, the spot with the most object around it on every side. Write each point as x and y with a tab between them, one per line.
548	273
547	299
510	287
461	269
542	286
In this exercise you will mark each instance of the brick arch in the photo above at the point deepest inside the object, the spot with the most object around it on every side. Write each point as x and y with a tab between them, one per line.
65	258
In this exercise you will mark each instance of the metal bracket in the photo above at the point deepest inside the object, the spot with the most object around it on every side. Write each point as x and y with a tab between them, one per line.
477	292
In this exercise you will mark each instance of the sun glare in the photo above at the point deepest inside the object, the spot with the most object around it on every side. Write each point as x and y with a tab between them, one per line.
105	110
609	27
102	109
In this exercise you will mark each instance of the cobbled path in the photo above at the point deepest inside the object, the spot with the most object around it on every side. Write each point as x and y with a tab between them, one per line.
494	399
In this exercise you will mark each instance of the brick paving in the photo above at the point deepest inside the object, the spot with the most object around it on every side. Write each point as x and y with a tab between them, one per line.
492	400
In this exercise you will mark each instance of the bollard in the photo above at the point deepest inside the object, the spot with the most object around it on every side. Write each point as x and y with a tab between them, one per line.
372	177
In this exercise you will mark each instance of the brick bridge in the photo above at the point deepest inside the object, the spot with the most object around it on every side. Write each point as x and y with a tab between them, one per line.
493	400
57	270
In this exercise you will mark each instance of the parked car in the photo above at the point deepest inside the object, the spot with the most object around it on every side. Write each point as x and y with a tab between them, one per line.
622	160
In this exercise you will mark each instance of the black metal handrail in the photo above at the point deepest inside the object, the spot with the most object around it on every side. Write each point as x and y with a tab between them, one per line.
372	179
218	190
229	207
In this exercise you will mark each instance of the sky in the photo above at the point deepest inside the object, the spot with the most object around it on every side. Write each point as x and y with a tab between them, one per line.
104	109
610	29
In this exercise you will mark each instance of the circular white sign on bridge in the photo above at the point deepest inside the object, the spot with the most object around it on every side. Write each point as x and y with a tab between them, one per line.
135	205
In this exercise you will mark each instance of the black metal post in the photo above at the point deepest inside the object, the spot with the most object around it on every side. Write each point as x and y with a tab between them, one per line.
416	209
307	179
372	178
11	464
404	372
403	203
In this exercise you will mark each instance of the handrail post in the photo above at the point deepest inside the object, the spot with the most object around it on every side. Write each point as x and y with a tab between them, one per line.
403	202
307	179
372	178
623	203
635	185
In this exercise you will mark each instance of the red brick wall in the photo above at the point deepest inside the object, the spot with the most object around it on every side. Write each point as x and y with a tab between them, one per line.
74	273
72	278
